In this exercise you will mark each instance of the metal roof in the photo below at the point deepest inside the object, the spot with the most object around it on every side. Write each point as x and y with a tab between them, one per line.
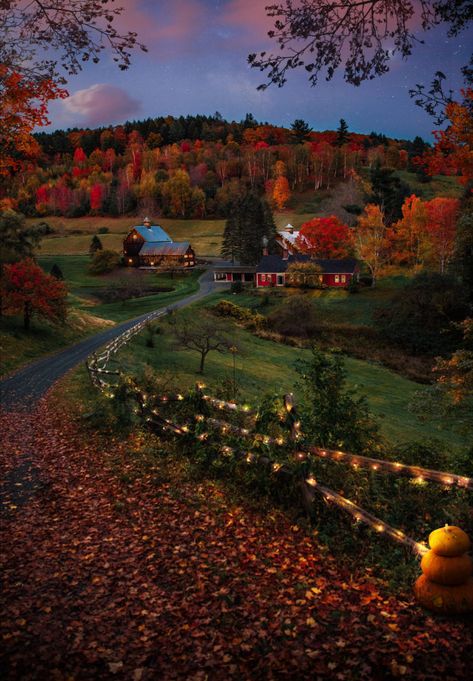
162	249
154	233
274	263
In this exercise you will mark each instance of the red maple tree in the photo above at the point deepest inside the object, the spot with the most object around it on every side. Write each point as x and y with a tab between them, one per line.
441	228
26	289
325	238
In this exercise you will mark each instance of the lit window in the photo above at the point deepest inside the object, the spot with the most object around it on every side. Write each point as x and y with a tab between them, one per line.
343	279
337	279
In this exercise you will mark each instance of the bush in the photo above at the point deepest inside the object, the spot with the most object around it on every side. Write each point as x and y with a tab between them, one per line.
295	317
236	287
421	318
43	229
249	318
103	230
104	261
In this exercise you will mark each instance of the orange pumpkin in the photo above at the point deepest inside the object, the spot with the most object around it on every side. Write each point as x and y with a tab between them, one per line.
449	571
449	600
449	541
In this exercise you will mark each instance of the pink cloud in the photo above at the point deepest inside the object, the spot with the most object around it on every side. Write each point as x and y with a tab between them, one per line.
101	104
250	16
171	24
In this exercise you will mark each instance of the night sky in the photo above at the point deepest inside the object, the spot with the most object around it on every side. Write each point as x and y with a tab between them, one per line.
197	63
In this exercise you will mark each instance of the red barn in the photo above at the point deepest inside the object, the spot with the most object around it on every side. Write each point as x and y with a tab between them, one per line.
150	246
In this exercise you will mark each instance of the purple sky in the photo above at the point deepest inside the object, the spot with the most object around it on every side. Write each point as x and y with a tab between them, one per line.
197	64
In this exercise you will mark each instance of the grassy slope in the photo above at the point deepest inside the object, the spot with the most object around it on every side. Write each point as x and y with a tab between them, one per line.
18	347
205	235
267	367
82	286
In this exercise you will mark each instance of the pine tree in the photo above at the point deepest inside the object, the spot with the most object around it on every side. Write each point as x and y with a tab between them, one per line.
95	245
300	130
250	220
342	133
57	272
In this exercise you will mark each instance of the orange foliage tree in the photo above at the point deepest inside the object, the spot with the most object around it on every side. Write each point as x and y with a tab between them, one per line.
23	106
371	239
325	238
281	192
409	235
26	289
453	151
443	214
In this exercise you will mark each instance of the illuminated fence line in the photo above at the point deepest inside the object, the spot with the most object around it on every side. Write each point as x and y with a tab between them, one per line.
97	367
390	467
363	516
310	486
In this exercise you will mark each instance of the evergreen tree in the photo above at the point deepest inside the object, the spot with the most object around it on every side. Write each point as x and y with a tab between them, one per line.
463	257
300	130
342	133
249	221
95	245
388	192
56	272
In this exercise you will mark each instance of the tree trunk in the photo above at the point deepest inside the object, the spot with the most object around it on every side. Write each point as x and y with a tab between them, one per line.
203	355
27	316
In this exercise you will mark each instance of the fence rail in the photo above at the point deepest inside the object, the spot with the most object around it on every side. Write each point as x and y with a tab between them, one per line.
97	364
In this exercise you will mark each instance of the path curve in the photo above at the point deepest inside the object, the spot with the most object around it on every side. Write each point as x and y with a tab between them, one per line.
22	390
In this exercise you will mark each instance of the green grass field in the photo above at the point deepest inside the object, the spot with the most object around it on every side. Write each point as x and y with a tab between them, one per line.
83	285
266	367
204	235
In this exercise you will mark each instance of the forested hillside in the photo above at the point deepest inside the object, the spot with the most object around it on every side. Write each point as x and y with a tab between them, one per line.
195	166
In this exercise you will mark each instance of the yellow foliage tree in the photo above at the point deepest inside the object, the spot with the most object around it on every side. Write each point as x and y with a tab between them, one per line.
281	192
371	239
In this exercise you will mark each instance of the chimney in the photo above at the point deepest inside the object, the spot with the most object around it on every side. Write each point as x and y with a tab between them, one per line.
147	222
290	229
265	245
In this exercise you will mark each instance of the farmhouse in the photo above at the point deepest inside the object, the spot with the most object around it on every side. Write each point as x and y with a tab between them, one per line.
272	271
149	246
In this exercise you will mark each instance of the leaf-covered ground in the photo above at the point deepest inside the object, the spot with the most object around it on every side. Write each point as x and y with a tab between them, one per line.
110	575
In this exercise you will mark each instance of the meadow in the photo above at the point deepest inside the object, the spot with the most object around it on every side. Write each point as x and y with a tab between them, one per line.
264	367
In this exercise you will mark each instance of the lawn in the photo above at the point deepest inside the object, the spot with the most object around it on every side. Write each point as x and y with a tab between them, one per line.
266	367
18	347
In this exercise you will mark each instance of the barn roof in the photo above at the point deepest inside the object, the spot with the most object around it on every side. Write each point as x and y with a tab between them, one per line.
274	263
163	249
154	233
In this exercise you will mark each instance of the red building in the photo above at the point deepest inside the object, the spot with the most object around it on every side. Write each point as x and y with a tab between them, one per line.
272	271
149	246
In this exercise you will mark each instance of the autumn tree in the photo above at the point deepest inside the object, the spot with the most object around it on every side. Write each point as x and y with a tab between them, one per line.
29	291
178	193
441	227
388	192
462	262
74	31
371	239
304	275
281	192
409	235
325	238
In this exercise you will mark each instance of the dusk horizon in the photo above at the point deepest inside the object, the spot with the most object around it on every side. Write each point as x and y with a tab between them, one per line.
197	64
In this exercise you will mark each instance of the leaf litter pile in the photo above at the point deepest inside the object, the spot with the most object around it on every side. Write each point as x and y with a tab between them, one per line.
113	576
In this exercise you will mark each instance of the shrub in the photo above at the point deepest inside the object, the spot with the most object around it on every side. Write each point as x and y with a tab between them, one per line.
249	319
421	318
104	261
103	230
295	317
236	287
